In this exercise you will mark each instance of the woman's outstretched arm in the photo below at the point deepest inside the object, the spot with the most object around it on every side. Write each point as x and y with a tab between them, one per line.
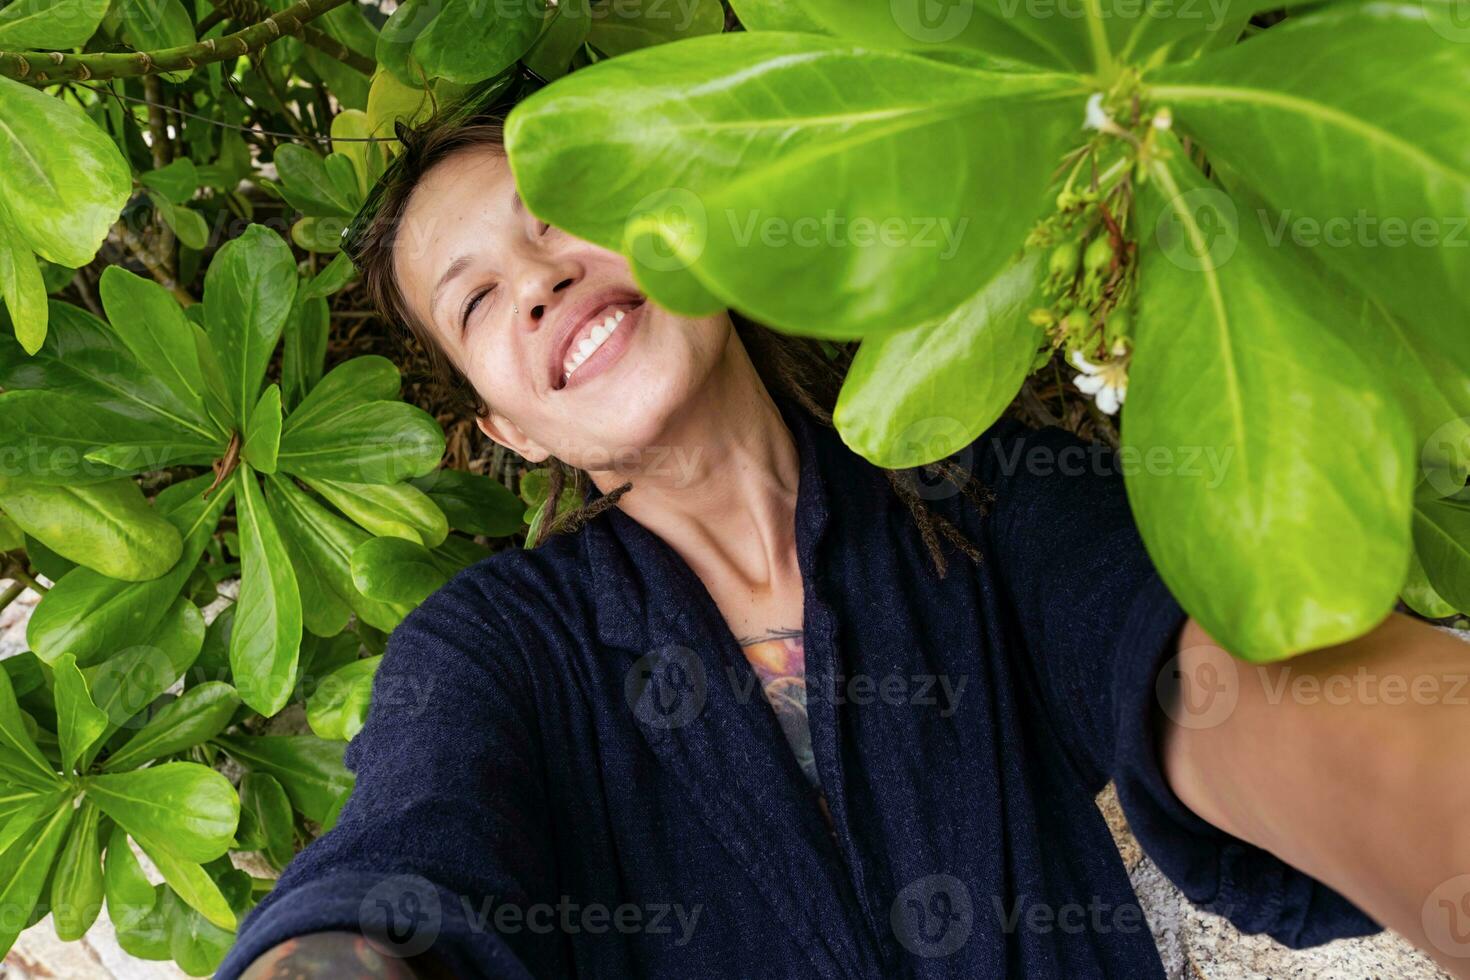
1351	763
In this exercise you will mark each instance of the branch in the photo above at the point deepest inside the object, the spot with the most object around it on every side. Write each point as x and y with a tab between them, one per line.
122	233
47	67
249	11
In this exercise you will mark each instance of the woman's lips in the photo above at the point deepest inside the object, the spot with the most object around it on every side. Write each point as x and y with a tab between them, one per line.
610	351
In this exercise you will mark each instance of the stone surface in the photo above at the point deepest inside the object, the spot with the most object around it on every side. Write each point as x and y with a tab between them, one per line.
1195	945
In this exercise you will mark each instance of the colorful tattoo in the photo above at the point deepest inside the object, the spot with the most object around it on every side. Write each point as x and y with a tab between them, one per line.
779	660
329	955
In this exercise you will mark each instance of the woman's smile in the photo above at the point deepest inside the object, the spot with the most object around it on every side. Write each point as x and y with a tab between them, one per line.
592	341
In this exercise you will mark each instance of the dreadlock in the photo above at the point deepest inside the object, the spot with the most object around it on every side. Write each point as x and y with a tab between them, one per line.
807	371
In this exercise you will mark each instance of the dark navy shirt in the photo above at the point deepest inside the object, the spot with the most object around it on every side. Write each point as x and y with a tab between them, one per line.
589	783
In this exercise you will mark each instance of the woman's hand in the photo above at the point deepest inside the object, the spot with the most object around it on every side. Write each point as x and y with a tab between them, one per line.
1351	763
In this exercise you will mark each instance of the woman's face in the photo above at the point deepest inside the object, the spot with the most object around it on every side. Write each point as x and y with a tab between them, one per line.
551	330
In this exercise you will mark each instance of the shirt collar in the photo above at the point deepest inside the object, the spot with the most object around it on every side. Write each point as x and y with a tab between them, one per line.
630	568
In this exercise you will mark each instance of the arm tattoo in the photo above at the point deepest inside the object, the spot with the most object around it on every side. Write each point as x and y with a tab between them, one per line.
334	955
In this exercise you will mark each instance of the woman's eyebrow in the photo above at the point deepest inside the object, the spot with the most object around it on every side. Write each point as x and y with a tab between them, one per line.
455	268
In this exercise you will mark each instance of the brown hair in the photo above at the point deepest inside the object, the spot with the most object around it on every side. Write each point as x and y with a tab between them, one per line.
807	371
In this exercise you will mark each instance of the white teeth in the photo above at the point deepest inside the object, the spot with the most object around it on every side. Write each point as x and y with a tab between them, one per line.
590	343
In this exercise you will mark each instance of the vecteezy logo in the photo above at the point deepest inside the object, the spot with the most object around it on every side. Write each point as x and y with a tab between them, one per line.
666	688
1199	229
933	916
1446	917
400	915
667	230
932	21
1203	695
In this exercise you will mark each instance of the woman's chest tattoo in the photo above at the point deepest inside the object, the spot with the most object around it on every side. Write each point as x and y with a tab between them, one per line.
778	658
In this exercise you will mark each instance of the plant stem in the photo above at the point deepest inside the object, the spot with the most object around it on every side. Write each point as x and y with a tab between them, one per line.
25	579
55	66
249	11
11	593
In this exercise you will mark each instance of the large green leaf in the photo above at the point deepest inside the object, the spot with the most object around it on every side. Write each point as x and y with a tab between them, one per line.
1063	36
925	392
196	943
150	25
263	431
1352	125
79	722
248	293
21	285
397	509
1429	369
375	442
473	503
21	762
27	25
310	769
129	895
76	884
338	707
198	715
1269	468
182	808
91	615
86	360
1422	597
25	866
191	883
62	178
308	187
266	637
622	27
347	386
266	808
1442	540
131	679
152	325
146	936
776	15
326	543
887	184
176	181
107	526
472	40
396	571
305	345
58	438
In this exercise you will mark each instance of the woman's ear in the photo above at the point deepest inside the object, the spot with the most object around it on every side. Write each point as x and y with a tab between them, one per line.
508	434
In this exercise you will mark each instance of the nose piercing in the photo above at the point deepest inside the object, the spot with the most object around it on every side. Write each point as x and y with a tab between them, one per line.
516	309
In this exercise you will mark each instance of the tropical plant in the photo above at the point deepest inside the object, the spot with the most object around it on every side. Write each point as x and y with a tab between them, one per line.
210	477
1261	245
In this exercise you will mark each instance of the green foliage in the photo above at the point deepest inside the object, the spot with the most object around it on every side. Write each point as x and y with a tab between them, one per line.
1257	241
1245	232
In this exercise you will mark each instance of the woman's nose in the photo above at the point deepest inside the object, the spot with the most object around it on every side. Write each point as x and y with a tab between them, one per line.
539	310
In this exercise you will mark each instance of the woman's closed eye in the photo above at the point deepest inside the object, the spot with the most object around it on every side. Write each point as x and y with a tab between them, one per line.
472	303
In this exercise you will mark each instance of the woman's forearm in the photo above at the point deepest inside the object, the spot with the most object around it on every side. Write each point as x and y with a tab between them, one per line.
1350	763
333	956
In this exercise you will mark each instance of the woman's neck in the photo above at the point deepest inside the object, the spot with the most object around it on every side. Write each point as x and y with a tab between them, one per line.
720	484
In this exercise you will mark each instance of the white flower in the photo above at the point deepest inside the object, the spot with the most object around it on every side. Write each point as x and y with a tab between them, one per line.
1107	383
1096	118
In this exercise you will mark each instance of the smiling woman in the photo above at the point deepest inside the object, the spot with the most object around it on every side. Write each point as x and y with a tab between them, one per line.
595	752
449	247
